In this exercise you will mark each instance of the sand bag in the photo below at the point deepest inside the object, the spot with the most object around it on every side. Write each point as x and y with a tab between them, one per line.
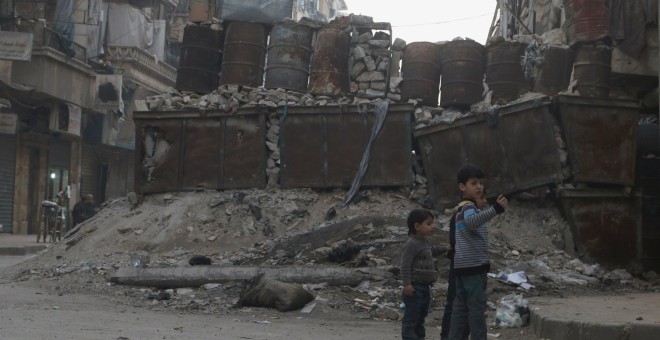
270	293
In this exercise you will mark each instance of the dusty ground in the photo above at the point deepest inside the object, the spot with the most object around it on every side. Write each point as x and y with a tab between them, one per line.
293	227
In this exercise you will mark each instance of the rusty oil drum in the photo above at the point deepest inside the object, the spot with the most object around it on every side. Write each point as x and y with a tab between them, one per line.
592	69
329	69
463	67
244	54
555	72
504	73
200	59
420	70
586	20
289	53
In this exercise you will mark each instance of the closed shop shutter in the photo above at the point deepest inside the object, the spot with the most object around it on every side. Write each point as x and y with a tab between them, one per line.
90	171
7	173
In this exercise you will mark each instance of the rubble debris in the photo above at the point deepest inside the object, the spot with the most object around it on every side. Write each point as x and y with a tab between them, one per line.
532	227
156	148
343	251
270	293
512	311
199	260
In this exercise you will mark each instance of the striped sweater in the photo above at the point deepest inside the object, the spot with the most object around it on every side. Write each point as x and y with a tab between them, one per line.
471	256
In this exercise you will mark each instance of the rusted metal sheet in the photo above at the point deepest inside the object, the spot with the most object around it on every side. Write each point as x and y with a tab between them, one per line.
329	69
586	20
244	54
504	74
592	70
555	73
605	224
321	147
289	53
517	153
200	59
420	70
463	67
243	152
181	150
201	159
600	137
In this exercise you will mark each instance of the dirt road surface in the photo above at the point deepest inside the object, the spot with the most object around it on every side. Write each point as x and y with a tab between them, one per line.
29	313
32	313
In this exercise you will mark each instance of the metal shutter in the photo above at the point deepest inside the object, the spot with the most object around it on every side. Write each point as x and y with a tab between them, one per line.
7	173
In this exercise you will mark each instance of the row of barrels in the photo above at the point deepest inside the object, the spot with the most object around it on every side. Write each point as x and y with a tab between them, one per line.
247	53
455	72
239	51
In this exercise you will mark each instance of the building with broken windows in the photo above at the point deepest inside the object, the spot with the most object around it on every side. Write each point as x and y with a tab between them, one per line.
71	70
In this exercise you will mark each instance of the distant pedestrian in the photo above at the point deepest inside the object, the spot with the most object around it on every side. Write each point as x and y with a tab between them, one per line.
418	273
471	257
84	209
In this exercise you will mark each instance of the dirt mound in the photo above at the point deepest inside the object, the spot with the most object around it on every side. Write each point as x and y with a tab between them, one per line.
291	227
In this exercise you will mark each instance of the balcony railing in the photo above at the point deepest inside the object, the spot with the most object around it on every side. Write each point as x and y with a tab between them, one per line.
54	39
131	54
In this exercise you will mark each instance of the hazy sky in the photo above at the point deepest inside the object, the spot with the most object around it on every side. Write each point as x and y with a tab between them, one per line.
430	20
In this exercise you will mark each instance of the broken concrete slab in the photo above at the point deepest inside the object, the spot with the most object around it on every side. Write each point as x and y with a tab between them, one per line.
174	277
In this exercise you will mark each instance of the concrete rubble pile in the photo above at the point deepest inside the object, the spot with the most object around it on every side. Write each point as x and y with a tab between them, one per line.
374	59
223	220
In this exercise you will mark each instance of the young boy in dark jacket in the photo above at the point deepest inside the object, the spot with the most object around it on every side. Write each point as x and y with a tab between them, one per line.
471	257
451	279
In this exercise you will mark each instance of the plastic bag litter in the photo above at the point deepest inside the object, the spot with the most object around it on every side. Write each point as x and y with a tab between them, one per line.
512	311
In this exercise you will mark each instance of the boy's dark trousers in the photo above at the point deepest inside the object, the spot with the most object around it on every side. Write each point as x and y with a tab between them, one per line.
469	308
417	307
451	294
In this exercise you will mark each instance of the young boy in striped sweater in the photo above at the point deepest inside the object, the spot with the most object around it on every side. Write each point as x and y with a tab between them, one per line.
471	257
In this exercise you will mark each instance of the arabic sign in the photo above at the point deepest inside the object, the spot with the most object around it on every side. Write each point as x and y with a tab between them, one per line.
15	45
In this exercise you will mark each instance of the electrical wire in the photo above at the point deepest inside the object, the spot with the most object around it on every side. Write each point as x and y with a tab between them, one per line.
443	22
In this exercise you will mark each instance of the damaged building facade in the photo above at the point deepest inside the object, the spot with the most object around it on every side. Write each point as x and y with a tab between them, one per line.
67	99
557	100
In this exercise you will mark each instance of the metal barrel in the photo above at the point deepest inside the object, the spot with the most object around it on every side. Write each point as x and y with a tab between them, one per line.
245	54
592	70
289	53
463	67
504	73
420	70
200	59
555	73
329	70
586	20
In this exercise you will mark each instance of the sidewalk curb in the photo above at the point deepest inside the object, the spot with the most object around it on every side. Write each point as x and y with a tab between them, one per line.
21	250
564	329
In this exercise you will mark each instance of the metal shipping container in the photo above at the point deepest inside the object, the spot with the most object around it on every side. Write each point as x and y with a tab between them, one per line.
322	147
601	138
605	224
190	150
650	232
517	152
